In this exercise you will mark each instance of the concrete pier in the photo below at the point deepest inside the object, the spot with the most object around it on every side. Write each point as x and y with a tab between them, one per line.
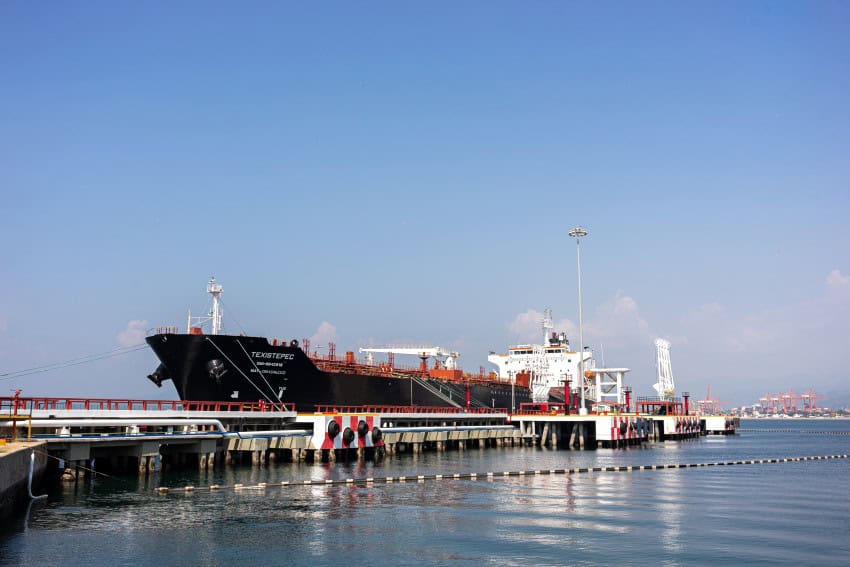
419	439
720	425
145	441
15	461
557	430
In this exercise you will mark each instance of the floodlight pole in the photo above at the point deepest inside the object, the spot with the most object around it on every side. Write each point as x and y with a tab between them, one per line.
577	233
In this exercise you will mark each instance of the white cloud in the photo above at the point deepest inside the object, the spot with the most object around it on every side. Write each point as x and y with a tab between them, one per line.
528	326
755	334
837	279
775	347
326	333
718	329
133	334
782	326
619	318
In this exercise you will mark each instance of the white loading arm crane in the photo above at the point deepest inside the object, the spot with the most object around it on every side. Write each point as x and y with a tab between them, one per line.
447	358
665	386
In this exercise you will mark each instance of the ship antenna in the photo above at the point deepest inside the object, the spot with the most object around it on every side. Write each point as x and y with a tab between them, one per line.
547	325
215	290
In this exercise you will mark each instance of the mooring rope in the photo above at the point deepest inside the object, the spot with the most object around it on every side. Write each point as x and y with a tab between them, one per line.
73	362
98	473
480	476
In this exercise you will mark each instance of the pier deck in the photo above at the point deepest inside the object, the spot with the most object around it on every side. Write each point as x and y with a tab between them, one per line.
149	434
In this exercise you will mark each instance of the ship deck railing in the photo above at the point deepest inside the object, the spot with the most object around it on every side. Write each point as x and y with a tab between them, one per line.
333	363
660	406
384	409
21	405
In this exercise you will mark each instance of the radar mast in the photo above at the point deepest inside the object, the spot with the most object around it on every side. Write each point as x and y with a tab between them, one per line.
215	314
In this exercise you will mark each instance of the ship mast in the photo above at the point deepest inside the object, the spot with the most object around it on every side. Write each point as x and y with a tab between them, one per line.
547	325
215	290
215	314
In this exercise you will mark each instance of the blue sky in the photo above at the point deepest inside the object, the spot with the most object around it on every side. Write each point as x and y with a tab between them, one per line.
409	172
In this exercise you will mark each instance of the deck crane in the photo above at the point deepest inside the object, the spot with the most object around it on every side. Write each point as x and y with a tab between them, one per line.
445	358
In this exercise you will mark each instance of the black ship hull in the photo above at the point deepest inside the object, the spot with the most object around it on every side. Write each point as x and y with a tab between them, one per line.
249	369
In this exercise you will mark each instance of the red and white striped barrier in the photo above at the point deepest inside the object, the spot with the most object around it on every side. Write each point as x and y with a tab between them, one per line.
345	431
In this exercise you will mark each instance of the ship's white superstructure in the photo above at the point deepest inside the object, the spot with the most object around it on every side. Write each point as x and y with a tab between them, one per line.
548	365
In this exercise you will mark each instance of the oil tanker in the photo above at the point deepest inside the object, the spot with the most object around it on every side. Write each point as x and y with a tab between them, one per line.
214	366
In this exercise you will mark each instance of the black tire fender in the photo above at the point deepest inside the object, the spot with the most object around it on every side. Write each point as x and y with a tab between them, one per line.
362	428
333	429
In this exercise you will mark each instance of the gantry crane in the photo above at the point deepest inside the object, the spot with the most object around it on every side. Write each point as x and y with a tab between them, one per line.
709	406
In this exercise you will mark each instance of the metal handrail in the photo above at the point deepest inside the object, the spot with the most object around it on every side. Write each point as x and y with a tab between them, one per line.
337	363
408	409
18	404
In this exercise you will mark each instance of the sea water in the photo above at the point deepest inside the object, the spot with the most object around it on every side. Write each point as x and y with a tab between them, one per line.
791	513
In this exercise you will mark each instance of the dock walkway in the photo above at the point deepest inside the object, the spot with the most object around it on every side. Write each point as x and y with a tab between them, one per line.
146	435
